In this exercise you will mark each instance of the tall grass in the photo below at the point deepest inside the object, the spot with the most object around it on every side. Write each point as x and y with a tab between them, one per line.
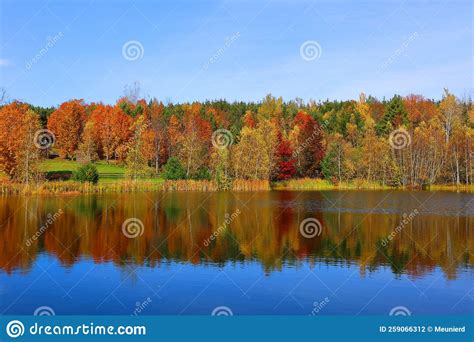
322	184
206	185
189	185
124	185
68	187
250	185
453	187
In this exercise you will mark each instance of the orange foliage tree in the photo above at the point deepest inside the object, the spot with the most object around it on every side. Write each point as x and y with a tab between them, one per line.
111	130
18	154
67	124
419	109
196	141
175	135
155	135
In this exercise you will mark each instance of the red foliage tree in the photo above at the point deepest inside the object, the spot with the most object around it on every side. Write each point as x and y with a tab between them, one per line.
309	147
419	109
284	159
249	121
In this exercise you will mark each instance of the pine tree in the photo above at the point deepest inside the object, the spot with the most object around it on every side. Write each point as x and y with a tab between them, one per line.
395	115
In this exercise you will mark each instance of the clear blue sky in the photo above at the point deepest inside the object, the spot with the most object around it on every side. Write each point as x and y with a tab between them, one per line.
237	50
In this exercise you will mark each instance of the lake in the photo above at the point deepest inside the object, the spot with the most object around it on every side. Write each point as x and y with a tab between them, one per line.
277	252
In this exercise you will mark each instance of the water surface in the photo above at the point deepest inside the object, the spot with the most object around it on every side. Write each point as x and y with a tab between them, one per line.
375	251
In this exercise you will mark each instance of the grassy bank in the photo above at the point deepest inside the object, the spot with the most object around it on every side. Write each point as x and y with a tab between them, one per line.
122	186
112	180
70	187
157	184
108	172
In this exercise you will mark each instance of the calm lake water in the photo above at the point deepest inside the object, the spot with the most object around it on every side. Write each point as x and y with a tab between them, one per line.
301	253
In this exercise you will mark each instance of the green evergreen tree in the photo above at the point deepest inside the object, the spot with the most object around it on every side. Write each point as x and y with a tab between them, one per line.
86	173
395	115
173	169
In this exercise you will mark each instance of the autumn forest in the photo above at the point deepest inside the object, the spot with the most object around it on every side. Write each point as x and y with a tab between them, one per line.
406	141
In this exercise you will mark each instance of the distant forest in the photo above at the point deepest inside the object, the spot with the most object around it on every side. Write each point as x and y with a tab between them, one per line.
403	141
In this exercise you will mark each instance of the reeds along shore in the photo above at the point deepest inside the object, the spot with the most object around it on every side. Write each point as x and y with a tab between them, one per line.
61	187
124	186
206	185
68	187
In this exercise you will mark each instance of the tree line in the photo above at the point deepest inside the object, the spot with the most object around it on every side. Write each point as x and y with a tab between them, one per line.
403	141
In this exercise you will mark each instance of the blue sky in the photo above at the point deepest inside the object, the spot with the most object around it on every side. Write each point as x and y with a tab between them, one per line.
52	51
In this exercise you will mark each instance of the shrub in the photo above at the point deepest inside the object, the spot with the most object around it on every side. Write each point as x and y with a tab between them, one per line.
86	173
202	174
329	167
173	169
58	175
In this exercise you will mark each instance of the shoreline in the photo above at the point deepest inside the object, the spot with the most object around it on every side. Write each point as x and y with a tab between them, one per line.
239	185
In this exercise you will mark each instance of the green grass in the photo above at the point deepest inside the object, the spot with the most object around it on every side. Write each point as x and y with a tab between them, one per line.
108	172
112	179
58	165
70	165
